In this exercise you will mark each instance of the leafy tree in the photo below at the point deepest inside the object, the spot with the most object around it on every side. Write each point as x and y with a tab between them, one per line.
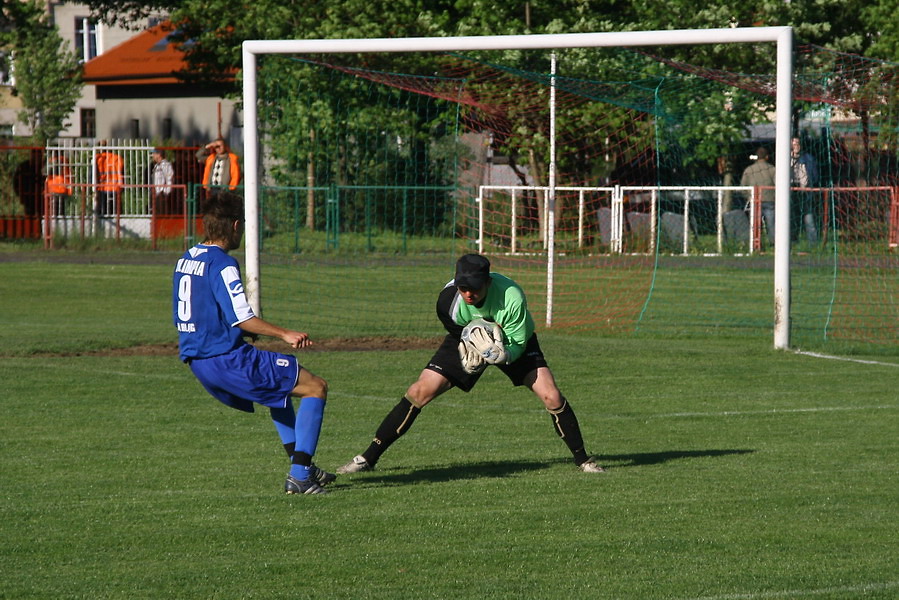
216	28
129	14
880	29
47	74
711	124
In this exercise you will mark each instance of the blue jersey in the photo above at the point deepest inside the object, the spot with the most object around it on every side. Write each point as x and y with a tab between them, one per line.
208	302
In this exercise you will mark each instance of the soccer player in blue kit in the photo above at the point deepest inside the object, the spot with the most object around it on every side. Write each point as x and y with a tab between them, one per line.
212	317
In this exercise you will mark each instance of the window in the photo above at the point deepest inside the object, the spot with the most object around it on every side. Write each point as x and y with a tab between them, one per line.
88	123
85	39
135	128
6	68
167	128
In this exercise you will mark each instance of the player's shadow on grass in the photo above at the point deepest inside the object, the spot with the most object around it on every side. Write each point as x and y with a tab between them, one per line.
654	458
454	472
487	469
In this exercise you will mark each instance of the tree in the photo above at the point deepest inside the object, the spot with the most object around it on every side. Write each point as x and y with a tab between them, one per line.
713	125
881	28
129	14
47	74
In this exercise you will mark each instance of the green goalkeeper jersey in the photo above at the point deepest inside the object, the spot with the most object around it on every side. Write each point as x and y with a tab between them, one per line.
504	304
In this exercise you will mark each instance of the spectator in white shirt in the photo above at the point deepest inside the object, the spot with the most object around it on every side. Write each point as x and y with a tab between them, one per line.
163	174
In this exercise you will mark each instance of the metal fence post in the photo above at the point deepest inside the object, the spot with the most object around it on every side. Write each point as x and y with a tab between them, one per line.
332	217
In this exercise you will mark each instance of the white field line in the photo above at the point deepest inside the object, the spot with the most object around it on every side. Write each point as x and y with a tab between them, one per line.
74	366
137	374
848	589
739	413
846	359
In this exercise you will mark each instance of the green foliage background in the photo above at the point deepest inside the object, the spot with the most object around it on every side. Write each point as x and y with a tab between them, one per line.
47	73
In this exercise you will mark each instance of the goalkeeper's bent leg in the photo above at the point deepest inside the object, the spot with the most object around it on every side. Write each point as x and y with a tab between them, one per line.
566	425
395	424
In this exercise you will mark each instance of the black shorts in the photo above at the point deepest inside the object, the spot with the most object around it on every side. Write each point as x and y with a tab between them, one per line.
448	363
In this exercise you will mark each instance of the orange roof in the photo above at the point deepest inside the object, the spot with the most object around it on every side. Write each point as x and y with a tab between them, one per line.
146	59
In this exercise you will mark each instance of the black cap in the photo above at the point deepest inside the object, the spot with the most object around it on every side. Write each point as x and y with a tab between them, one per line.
472	272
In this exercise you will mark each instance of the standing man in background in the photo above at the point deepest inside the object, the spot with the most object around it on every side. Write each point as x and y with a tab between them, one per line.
163	175
221	167
804	174
110	168
761	174
59	185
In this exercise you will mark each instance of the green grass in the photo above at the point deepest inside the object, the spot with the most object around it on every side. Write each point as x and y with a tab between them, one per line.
85	306
735	471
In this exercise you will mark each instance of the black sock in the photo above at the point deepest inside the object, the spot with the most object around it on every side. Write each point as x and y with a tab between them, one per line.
395	424
289	449
301	458
566	425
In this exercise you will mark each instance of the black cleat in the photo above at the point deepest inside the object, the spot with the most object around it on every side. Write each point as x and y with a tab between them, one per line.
306	486
320	476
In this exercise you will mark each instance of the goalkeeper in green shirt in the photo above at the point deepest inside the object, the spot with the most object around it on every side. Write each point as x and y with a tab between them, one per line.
476	295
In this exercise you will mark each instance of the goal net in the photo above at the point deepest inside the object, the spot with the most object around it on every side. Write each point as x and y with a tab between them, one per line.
607	181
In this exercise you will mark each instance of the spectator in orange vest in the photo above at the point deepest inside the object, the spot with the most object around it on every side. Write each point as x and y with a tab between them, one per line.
221	166
110	179
59	186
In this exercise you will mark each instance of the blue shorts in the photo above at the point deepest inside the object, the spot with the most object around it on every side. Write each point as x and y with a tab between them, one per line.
247	375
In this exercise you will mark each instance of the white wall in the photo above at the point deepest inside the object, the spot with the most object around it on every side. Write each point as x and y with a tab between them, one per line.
64	15
194	120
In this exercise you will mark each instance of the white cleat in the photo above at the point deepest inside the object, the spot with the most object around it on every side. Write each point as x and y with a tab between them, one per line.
357	465
590	466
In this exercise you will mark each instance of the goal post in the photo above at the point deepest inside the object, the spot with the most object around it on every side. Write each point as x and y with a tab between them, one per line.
781	36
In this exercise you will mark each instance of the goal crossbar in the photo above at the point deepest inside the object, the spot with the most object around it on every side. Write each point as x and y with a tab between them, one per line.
781	36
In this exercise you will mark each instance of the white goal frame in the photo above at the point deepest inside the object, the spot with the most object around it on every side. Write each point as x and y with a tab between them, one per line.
781	36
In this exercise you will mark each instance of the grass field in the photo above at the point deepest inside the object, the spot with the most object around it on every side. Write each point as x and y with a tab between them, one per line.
735	472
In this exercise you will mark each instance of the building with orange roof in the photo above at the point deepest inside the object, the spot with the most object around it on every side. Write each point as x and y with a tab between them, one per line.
141	94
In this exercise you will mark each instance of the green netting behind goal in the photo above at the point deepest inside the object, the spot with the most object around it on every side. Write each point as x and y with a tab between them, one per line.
380	170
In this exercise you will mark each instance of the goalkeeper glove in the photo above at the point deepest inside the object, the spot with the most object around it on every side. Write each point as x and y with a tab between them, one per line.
487	339
472	361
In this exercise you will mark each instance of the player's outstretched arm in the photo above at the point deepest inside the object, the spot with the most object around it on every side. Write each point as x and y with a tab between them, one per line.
257	326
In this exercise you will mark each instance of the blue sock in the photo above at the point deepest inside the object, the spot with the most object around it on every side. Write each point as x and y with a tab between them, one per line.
285	420
308	427
309	424
299	472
